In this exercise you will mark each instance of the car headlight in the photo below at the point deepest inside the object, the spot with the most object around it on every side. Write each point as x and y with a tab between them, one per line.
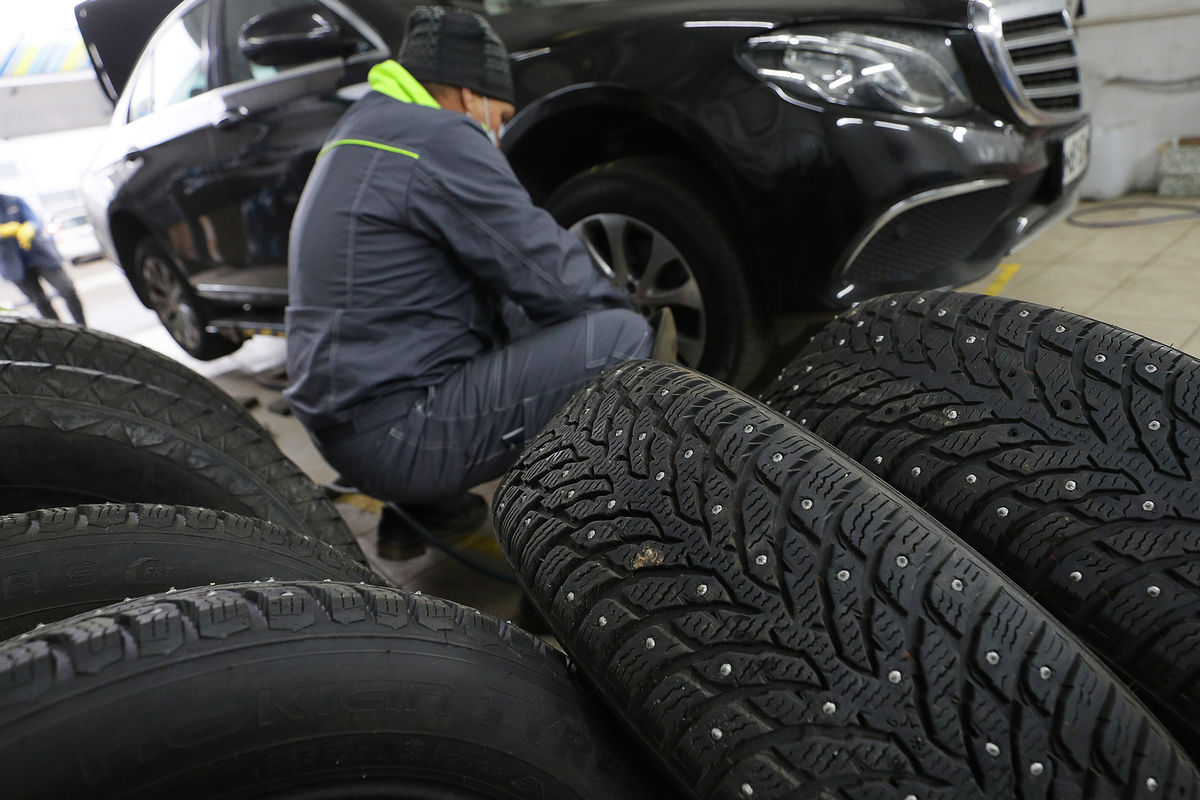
885	67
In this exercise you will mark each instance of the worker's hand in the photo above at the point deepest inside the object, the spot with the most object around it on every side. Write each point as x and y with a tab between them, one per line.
25	235
9	229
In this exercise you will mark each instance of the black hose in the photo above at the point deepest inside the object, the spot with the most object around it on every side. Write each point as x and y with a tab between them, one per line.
1184	212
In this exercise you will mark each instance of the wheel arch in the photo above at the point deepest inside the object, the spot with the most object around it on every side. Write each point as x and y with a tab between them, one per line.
603	123
127	230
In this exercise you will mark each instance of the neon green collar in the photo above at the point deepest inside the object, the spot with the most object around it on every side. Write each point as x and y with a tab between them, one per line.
388	77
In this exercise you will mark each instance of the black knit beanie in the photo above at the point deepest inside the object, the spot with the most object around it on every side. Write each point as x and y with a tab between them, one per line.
456	47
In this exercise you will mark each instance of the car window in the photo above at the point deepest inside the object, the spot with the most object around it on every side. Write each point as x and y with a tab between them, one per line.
73	221
175	68
237	14
504	6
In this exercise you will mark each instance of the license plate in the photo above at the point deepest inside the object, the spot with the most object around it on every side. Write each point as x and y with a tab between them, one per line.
1075	154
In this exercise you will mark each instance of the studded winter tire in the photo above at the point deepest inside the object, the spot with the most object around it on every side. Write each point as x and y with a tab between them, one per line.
1064	449
51	342
71	435
59	562
302	690
776	622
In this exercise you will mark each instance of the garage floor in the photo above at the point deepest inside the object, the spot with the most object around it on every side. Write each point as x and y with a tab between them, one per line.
1145	278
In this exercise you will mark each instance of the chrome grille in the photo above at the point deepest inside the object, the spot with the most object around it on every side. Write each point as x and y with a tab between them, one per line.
1031	47
1042	51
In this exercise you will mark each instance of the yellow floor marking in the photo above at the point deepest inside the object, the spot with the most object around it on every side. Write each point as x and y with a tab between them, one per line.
1007	272
363	502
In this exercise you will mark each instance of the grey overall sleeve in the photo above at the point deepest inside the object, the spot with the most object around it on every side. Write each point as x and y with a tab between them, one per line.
465	194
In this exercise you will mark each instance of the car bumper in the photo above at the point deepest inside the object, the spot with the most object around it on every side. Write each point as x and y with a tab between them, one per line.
957	231
890	203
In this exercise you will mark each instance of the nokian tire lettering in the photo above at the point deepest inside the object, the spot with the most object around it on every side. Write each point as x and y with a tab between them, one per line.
775	622
283	689
1066	450
58	562
72	435
51	342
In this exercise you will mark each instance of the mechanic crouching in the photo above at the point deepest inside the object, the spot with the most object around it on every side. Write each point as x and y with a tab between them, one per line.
411	236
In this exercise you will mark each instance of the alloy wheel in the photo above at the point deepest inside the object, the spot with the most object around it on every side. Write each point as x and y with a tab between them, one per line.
171	301
645	263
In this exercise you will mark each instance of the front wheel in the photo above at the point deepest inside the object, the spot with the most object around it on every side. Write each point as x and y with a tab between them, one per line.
657	231
168	294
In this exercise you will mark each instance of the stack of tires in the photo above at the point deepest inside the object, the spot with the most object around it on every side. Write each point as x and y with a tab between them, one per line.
187	615
952	554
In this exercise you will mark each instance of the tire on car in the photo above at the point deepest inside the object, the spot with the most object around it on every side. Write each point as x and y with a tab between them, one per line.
775	622
298	689
182	312
72	436
1064	449
59	562
661	233
52	342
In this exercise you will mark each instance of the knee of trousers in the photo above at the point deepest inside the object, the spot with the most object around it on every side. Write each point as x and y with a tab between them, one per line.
625	334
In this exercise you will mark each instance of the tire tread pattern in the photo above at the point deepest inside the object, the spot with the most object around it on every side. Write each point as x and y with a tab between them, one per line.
773	621
50	342
53	566
59	677
220	448
1065	449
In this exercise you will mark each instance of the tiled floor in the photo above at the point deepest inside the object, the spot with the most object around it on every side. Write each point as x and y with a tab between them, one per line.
1145	278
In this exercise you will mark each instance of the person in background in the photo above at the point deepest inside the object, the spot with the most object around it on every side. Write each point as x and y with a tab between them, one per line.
27	258
412	246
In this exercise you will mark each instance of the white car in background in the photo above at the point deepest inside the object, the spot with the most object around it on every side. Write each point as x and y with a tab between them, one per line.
73	236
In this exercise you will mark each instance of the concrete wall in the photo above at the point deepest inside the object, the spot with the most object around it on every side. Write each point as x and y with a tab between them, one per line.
1141	70
46	103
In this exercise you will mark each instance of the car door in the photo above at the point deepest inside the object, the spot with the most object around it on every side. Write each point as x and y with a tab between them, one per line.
275	121
160	150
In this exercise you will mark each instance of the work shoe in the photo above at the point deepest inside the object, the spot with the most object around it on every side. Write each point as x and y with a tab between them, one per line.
449	522
666	339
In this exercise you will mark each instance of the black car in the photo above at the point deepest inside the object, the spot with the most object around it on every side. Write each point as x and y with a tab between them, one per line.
733	159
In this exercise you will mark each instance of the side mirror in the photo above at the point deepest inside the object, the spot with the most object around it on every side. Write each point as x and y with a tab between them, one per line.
294	36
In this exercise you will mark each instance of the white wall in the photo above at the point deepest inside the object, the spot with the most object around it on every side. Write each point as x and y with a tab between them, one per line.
1140	61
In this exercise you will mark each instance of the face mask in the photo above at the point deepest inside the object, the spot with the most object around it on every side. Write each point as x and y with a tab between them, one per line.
487	115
